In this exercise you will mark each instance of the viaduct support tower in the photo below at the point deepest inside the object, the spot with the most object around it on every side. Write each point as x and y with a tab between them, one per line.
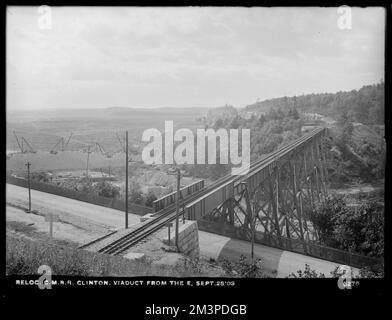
281	194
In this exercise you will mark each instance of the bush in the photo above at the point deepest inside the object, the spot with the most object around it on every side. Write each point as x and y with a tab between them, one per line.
244	269
106	189
356	229
24	256
307	273
150	199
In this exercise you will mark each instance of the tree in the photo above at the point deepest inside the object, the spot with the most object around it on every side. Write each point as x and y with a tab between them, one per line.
272	114
361	229
324	216
306	273
357	229
235	123
106	189
150	199
136	197
39	176
243	268
295	114
262	120
218	124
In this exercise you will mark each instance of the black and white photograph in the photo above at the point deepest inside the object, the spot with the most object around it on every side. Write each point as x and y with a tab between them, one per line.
194	142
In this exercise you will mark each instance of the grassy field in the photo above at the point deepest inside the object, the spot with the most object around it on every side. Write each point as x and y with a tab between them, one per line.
44	128
24	256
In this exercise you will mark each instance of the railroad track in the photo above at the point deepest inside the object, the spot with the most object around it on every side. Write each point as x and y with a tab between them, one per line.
97	240
168	214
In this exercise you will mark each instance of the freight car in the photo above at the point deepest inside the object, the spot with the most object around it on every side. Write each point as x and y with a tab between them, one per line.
185	192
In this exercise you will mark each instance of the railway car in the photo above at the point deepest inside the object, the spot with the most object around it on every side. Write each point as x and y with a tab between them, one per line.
204	205
185	192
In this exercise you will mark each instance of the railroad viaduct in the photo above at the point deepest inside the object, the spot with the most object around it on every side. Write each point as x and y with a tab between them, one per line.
270	204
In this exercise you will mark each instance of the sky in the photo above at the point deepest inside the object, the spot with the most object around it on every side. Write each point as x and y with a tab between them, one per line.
186	56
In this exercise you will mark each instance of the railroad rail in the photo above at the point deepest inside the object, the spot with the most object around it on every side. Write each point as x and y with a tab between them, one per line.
168	214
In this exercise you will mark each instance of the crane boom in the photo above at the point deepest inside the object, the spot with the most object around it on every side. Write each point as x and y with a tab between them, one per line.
121	143
54	147
17	140
66	144
28	144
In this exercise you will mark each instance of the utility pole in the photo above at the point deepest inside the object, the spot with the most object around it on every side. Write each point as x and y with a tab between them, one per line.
178	173
177	203
126	180
253	224
28	164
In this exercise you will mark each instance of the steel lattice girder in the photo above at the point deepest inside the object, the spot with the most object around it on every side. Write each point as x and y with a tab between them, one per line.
282	193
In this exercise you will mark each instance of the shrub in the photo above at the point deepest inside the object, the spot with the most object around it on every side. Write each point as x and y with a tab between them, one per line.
244	269
307	273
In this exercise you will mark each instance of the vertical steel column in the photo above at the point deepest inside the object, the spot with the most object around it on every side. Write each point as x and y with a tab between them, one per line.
320	165
308	181
325	165
316	171
297	207
273	201
230	211
248	217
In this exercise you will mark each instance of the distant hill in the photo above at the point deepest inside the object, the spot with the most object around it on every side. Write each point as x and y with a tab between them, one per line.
365	105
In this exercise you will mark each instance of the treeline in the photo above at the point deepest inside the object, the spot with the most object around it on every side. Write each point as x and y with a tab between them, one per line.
365	105
268	132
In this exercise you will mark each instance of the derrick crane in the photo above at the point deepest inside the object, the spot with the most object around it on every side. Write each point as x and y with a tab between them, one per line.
22	142
61	142
20	145
102	150
31	150
131	149
53	151
107	154
30	147
122	144
66	144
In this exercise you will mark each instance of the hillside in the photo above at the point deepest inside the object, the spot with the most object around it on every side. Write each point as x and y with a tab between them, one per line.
365	105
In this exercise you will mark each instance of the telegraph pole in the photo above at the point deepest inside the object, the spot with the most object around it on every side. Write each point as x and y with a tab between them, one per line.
177	203
126	180
178	173
28	164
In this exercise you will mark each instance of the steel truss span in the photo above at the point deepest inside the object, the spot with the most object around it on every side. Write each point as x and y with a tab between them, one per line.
279	194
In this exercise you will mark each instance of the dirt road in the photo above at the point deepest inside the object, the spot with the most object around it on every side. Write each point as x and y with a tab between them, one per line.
72	209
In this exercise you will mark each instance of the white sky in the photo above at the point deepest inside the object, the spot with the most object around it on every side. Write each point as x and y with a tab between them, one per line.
186	57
